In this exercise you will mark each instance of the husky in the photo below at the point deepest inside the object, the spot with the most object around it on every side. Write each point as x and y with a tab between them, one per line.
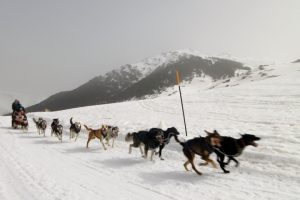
57	129
41	125
112	134
150	140
75	129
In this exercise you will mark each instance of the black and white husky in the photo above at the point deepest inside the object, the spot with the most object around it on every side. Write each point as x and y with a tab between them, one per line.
75	129
112	134
57	129
41	125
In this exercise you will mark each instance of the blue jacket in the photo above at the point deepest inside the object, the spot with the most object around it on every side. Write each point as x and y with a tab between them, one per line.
17	107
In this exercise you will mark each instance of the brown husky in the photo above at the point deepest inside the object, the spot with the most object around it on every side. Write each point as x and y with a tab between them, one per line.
99	133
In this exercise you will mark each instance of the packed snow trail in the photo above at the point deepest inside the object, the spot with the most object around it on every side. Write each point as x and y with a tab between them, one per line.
36	167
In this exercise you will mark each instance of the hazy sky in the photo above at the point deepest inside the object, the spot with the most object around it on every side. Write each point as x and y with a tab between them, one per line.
48	46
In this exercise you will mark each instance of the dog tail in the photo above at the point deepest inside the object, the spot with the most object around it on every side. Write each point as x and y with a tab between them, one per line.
71	121
34	120
177	140
87	128
128	137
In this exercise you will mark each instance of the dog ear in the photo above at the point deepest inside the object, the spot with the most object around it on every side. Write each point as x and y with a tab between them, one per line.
208	133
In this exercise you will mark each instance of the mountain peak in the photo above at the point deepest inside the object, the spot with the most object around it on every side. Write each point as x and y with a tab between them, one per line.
150	76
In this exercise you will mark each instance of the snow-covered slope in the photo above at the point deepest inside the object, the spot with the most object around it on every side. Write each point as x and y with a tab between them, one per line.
268	106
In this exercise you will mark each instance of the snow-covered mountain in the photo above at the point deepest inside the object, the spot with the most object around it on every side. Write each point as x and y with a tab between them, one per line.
296	61
149	77
263	101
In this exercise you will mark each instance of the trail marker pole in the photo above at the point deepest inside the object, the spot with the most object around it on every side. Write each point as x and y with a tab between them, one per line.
178	83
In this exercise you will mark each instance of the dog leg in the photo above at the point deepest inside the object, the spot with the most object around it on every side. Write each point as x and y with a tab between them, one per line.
185	165
107	140
76	137
87	143
146	148
236	162
103	144
190	156
223	168
142	153
208	160
152	153
160	150
194	168
113	142
130	148
220	159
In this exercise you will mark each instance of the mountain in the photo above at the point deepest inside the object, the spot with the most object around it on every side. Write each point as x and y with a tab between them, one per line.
150	76
296	61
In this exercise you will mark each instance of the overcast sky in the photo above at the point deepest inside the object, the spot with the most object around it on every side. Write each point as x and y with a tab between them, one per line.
48	46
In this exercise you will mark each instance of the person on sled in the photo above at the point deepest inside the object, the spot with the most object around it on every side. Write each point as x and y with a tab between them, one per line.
18	111
17	106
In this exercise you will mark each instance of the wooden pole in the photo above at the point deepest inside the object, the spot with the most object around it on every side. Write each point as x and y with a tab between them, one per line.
178	83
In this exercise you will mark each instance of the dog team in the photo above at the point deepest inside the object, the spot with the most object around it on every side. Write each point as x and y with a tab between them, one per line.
106	132
156	138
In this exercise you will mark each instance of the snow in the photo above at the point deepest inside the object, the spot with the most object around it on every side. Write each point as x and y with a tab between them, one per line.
36	167
147	65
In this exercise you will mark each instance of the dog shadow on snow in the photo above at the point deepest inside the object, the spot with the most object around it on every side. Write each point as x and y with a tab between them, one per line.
27	136
48	142
181	176
81	150
120	162
7	128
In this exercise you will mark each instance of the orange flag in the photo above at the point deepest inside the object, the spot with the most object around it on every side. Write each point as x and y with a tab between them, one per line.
177	77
